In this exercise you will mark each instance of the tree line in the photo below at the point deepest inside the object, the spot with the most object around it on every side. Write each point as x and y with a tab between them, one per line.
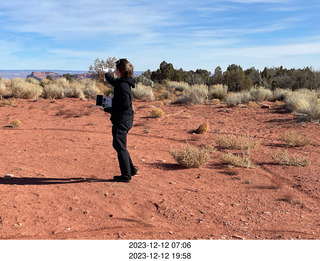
236	78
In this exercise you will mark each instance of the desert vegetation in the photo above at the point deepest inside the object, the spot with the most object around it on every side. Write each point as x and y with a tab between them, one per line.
245	151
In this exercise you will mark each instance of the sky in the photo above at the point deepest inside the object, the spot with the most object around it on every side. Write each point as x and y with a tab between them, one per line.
202	34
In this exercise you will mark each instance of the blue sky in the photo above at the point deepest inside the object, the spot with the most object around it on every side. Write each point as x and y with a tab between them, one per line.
70	35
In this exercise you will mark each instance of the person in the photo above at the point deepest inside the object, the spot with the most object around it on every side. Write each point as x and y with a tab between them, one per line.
122	116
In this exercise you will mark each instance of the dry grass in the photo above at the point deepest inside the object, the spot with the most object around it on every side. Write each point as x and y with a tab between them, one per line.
294	139
241	142
218	91
143	92
284	158
304	103
261	94
197	94
15	123
234	99
190	157
53	91
237	160
157	113
21	88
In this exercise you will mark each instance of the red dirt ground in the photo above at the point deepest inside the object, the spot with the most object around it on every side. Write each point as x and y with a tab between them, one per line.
61	163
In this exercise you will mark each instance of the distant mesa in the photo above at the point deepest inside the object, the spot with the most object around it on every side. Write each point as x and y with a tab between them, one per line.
53	75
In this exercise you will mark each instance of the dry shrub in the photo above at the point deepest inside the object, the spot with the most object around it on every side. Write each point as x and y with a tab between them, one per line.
7	102
197	94
304	102
253	105
178	86
33	81
237	160
190	157
218	91
203	128
74	90
24	89
15	123
143	92
52	91
90	89
284	158
261	94
234	99
294	139
280	94
241	142
157	113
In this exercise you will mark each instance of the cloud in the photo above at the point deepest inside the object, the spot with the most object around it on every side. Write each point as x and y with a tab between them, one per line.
184	32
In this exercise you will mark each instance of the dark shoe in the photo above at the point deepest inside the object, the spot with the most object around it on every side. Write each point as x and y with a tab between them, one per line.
122	179
135	172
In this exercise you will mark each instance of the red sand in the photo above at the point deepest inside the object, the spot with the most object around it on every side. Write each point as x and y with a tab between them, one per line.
62	162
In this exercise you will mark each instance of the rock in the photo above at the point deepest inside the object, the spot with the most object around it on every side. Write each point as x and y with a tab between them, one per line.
203	128
8	176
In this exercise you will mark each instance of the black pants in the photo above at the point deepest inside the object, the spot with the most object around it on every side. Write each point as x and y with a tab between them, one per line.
119	133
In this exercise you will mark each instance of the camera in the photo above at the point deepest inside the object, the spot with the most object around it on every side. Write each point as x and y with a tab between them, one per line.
104	101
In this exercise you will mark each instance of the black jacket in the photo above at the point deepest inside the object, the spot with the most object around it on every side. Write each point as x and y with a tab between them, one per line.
121	110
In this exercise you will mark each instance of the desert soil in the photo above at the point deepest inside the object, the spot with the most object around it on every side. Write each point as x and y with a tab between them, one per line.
56	173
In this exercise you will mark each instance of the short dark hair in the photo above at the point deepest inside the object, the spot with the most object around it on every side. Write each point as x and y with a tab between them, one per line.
124	67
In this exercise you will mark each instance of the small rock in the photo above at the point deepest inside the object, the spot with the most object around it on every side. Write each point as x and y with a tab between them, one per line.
171	233
172	183
8	176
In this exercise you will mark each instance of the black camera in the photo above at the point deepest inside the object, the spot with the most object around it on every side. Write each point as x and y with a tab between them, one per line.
104	101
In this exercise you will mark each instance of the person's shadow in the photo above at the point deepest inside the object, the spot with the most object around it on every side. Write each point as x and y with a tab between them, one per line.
48	181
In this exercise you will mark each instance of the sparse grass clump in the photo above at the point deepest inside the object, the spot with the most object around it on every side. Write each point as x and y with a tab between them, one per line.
294	139
190	157
241	142
157	113
237	160
143	92
284	158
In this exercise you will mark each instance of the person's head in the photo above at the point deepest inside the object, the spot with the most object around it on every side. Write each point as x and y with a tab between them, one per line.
124	69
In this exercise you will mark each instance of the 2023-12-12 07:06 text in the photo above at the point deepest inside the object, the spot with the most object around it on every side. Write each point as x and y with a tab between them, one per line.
160	245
